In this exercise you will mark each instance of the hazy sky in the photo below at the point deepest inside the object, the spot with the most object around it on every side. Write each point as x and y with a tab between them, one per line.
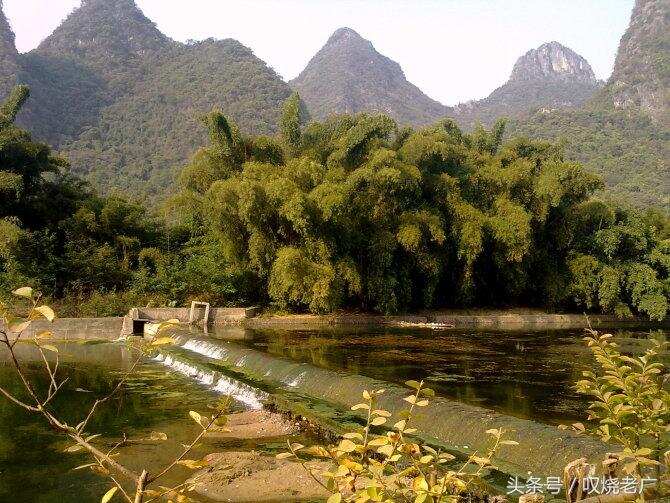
454	50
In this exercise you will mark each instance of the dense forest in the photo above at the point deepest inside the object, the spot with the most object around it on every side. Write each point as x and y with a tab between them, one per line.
353	212
122	100
629	151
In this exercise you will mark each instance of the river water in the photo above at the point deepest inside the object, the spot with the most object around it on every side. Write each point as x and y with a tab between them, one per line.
524	374
33	465
527	374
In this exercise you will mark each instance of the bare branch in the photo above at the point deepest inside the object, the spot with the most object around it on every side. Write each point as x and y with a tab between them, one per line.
99	401
187	449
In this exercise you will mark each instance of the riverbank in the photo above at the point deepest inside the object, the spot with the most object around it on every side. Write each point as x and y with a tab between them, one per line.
444	320
89	329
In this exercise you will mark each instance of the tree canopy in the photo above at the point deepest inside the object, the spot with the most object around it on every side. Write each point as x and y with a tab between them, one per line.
357	212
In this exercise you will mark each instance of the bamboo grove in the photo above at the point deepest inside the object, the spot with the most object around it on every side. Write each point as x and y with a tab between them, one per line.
356	212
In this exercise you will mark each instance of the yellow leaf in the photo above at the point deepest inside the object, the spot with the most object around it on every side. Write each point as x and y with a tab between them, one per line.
410	399
49	347
347	446
335	498
81	467
162	341
19	327
196	417
419	484
47	312
192	464
360	406
109	495
165	325
386	450
366	395
45	335
25	291
73	448
378	421
284	455
376	442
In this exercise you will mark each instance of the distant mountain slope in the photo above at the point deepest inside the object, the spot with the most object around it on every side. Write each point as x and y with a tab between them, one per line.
624	147
141	141
10	66
348	76
122	100
641	76
623	133
549	77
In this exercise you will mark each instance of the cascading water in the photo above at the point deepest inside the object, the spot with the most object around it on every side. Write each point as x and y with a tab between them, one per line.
543	449
225	385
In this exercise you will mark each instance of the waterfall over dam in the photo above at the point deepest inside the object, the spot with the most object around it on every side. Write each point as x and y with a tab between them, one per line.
543	449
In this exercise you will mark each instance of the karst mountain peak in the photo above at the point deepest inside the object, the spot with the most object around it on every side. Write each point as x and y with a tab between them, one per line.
553	60
348	75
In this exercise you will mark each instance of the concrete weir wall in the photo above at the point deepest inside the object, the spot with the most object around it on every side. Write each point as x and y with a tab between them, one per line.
543	449
217	315
76	329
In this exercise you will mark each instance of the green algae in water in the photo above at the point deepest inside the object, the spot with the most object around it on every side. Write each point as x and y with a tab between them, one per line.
33	466
527	374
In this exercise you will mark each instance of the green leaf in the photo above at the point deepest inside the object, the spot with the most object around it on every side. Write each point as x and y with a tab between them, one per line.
50	347
413	384
109	495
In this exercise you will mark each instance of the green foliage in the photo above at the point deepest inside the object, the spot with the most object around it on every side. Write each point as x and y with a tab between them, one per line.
392	466
624	147
361	215
292	118
57	234
629	406
620	262
122	100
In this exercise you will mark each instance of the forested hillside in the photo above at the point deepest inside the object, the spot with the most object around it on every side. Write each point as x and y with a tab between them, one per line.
349	76
122	100
142	138
624	147
622	132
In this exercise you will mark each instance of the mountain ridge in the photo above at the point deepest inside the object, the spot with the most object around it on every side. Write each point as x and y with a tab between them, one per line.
551	76
641	76
123	101
348	75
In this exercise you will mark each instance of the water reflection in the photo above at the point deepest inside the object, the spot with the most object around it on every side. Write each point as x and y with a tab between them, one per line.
525	374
